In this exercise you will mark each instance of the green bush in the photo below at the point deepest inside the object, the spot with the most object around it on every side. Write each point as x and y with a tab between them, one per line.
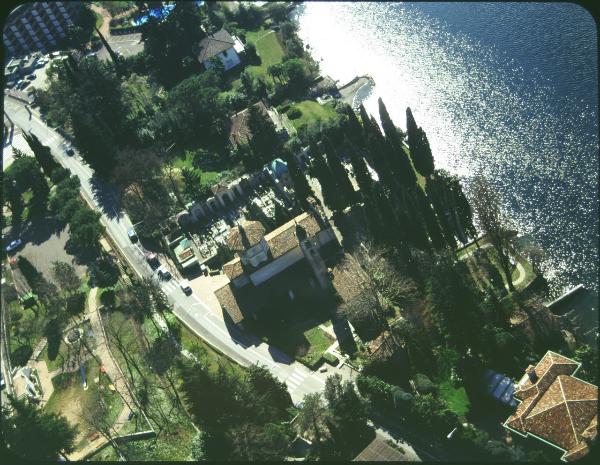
423	384
284	108
331	359
294	113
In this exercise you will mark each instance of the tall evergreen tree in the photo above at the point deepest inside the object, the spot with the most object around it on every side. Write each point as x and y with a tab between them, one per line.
379	160
321	171
367	125
411	128
397	158
361	172
353	128
42	153
392	132
340	176
265	142
433	228
421	155
438	194
301	185
52	434
113	56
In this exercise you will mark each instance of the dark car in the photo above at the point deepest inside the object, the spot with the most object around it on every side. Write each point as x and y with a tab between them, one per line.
70	152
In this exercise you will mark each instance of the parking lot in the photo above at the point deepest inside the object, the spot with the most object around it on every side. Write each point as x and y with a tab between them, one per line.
126	44
44	243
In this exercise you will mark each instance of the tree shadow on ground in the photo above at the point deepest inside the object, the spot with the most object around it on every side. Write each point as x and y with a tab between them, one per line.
106	197
38	230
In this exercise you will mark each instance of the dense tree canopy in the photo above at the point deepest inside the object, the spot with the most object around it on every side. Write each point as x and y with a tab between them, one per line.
52	433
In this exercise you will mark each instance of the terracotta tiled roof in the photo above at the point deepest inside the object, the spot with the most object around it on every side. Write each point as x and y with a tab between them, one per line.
239	132
233	269
245	235
283	239
214	44
556	406
229	303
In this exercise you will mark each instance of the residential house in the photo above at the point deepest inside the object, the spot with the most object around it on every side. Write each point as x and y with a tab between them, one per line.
222	46
556	407
261	258
379	450
239	132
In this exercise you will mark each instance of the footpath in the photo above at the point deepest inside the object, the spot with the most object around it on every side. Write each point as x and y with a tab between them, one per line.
112	370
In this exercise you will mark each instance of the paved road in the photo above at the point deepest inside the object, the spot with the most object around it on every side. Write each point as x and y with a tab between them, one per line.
244	348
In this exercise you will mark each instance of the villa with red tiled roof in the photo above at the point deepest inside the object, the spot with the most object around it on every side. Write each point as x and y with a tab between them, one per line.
556	407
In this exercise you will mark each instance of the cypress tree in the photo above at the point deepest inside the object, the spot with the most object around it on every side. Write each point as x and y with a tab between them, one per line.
464	213
42	153
415	224
411	128
322	172
433	228
301	186
361	172
397	158
340	176
379	160
368	129
113	56
392	133
421	155
354	129
438	193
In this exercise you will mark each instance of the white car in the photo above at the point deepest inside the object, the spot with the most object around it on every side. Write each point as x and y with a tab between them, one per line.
185	287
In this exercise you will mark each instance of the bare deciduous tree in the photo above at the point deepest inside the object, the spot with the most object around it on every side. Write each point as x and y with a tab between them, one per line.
381	286
486	204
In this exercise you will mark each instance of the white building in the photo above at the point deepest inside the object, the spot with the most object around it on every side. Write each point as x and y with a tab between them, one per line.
221	45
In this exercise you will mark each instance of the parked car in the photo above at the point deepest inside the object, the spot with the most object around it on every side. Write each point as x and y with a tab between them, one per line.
30	77
132	235
69	151
14	245
163	273
185	287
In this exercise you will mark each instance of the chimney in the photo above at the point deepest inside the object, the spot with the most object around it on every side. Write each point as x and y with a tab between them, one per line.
533	377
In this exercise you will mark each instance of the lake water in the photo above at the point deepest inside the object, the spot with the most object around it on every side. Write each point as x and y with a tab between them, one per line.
506	89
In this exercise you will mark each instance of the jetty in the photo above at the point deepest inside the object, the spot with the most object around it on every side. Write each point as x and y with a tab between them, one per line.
349	90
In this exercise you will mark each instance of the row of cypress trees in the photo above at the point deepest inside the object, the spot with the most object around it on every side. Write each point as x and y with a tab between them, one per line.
398	211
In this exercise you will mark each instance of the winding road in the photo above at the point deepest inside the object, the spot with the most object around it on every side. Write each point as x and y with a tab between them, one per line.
246	349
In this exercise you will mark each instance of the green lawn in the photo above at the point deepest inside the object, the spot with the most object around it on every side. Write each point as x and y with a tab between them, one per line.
68	351
455	397
207	178
169	447
206	353
312	113
307	346
268	49
71	400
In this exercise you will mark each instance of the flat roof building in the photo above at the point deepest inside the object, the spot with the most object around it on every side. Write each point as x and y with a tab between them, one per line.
38	26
